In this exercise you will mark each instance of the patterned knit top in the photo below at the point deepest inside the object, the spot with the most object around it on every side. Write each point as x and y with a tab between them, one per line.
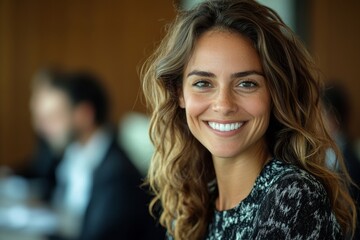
285	203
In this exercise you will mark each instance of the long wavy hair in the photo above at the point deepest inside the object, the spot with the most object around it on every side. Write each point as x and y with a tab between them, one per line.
181	169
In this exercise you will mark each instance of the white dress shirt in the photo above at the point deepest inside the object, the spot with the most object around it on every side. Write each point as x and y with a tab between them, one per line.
75	175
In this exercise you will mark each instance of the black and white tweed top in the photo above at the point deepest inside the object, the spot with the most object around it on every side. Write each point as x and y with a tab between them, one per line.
285	203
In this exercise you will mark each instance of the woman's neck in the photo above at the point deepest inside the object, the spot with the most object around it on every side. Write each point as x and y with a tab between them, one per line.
236	176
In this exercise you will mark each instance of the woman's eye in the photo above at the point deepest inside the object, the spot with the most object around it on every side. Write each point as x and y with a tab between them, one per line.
202	84
248	84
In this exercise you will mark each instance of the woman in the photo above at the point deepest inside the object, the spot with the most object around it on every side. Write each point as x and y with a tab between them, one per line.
239	137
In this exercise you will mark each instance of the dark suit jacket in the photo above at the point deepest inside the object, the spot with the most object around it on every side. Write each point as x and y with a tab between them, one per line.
41	169
352	163
118	208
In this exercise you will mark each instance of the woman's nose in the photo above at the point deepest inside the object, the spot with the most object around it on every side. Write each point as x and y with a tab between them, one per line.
225	102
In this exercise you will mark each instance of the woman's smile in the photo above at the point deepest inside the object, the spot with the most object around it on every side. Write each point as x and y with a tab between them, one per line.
225	127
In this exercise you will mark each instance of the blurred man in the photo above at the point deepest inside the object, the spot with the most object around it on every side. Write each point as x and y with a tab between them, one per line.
52	121
98	186
51	109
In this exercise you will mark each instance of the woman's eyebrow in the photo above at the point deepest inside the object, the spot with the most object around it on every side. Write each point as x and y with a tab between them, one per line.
201	74
234	75
246	73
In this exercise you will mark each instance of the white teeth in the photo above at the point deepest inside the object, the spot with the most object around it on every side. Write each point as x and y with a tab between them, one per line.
225	127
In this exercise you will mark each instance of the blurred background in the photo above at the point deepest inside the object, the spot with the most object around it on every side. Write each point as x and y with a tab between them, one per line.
108	37
112	38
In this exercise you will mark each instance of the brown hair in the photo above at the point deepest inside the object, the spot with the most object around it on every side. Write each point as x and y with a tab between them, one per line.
181	168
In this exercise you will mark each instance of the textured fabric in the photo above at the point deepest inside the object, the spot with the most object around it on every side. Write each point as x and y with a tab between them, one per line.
285	203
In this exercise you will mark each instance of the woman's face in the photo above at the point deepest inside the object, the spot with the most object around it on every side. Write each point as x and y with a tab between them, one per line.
225	95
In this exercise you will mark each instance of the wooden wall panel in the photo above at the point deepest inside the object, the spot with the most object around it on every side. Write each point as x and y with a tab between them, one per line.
335	42
108	37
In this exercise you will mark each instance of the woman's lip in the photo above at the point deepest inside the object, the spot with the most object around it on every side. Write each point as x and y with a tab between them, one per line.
225	128
225	121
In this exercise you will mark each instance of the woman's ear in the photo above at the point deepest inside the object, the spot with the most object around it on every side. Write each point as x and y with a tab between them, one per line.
181	98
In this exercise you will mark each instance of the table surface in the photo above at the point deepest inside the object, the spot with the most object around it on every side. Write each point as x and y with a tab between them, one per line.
18	235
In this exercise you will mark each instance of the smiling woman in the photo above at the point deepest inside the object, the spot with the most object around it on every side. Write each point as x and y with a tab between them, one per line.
229	91
239	138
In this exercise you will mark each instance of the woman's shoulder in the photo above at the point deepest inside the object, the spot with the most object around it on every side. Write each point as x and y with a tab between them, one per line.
278	176
296	187
296	202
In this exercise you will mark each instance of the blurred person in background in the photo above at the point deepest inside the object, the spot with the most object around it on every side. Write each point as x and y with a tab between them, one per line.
98	189
51	115
25	193
337	112
52	123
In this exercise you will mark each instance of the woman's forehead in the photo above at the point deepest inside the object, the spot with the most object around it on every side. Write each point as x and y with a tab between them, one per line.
219	51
